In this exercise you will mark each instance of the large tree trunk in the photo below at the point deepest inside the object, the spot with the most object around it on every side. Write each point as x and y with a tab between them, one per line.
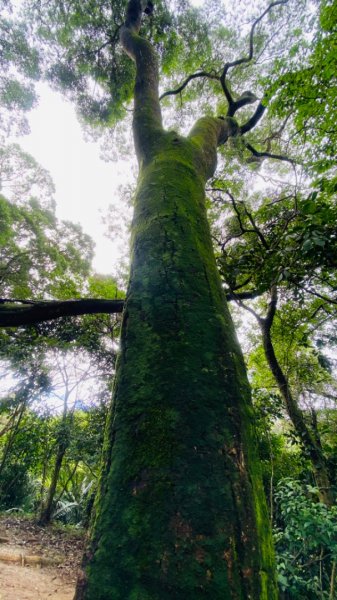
180	513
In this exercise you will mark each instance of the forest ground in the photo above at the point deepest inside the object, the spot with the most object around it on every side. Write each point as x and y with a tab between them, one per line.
37	563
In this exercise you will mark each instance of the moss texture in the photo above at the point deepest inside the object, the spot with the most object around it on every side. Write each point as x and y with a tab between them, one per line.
181	513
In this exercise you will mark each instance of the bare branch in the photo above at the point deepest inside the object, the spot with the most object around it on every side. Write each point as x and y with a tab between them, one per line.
248	58
258	154
246	98
277	134
244	296
249	309
112	39
237	212
186	82
313	293
256	229
244	229
245	59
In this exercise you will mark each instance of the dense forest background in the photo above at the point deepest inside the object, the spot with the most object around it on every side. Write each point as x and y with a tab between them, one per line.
272	209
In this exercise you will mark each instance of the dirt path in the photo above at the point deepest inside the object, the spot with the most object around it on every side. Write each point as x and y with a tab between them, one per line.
37	563
30	583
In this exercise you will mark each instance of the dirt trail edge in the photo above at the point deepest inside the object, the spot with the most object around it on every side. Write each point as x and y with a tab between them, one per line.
37	563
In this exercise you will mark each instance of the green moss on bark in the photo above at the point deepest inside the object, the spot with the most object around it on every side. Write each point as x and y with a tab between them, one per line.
181	512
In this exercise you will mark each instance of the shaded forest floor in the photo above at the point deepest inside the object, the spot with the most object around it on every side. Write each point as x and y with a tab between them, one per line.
37	563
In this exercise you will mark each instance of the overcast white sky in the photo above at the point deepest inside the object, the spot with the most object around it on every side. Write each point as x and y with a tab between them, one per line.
85	184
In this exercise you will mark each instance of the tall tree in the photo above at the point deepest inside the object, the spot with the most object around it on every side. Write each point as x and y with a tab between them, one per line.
180	509
286	247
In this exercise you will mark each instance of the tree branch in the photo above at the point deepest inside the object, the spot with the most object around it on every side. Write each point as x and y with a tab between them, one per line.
248	58
249	309
269	154
250	124
37	312
147	119
233	106
207	134
255	229
244	296
313	293
269	318
186	82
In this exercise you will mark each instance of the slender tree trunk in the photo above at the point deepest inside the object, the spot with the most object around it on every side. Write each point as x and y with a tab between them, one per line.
332	581
308	440
180	512
42	486
63	439
65	486
12	435
46	511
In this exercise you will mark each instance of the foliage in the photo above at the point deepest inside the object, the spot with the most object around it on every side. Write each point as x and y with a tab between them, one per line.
27	460
23	435
19	64
308	90
279	456
23	179
17	490
40	255
43	257
306	542
277	259
94	54
75	506
284	240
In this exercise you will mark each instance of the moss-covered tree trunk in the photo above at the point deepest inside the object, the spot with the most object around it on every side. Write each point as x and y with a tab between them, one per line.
180	512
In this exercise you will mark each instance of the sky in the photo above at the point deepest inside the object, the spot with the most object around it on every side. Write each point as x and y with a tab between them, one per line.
85	184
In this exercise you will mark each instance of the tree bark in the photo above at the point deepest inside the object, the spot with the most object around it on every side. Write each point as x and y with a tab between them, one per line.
31	312
180	511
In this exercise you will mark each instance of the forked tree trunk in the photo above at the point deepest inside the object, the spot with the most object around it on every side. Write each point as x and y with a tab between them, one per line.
180	512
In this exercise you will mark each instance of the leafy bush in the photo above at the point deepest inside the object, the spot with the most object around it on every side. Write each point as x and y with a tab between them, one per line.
72	511
17	490
306	543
